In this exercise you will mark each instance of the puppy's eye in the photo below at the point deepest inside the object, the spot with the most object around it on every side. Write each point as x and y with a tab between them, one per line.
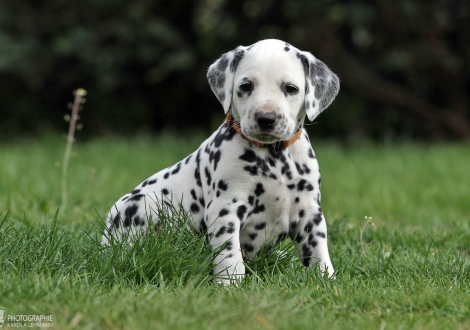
247	86
291	89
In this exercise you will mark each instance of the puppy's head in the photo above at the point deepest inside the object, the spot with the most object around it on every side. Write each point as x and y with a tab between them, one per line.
270	86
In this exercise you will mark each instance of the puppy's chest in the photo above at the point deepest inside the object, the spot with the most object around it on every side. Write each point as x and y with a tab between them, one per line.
284	186
276	197
272	184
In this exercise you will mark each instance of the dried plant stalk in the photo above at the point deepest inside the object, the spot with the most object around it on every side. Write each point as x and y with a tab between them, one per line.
76	107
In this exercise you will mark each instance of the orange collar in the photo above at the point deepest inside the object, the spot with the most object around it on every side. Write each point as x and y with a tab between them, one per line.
229	120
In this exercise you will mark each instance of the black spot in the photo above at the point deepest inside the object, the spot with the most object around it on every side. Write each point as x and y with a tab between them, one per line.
299	238
138	221
228	245
124	198
280	238
253	236
259	189
222	63
193	194
234	200
129	213
216	77
167	175
301	185
261	163
241	212
131	210
197	177
177	169
194	208
306	137
222	185
310	238
230	255
297	199
272	176
209	204
253	170
223	212
285	169
286	49
258	208
208	176
301	213
197	173
202	202
215	156
299	169
320	234
248	156
165	191
221	231
309	187
291	186
310	153
152	181
260	225
218	193
308	227
317	219
231	228
248	247
271	161
306	256
311	241
136	198
236	59
221	94
116	220
202	226
144	183
135	191
251	200
306	169
187	159
225	133
294	225
276	152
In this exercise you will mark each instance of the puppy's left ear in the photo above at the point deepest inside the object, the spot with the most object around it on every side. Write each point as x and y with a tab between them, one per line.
221	73
321	86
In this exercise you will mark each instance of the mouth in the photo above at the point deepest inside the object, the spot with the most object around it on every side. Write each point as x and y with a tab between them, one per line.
265	138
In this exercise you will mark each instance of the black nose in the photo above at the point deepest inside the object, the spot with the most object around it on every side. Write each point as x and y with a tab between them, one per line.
265	120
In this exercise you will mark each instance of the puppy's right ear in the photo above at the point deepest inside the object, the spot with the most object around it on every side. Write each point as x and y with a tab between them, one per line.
221	73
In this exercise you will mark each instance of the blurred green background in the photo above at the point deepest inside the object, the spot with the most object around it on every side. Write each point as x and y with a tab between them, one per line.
403	64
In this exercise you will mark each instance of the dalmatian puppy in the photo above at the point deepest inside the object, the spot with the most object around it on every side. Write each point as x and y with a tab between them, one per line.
256	179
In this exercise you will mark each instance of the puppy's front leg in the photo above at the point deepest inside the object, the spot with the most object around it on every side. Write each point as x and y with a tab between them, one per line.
308	231
224	230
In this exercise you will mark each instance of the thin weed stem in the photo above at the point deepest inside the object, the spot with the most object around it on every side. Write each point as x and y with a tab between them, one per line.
76	107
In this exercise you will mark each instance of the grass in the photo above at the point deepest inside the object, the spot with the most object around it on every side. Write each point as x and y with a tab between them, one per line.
416	274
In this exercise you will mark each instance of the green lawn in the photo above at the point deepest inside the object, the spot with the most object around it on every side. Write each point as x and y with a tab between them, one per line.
416	274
